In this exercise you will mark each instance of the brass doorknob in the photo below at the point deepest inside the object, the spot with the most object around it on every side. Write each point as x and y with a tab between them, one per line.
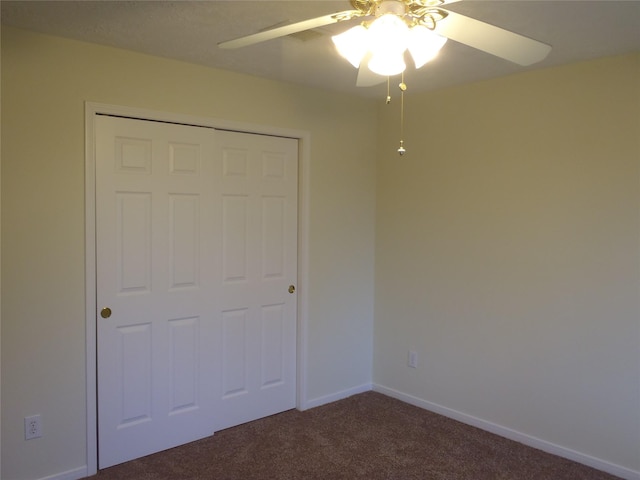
105	312
292	289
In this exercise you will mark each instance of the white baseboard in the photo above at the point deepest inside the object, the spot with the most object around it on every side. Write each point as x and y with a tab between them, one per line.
75	474
316	402
523	438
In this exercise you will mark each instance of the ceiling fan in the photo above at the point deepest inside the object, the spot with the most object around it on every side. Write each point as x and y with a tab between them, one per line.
418	21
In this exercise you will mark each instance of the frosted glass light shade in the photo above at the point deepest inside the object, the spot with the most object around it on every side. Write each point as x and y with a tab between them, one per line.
388	34
387	38
352	44
424	44
386	64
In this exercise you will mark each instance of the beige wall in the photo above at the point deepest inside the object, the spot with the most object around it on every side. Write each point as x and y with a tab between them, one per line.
506	241
45	82
507	255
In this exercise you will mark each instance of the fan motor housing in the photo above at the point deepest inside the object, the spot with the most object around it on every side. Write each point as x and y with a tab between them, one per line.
395	7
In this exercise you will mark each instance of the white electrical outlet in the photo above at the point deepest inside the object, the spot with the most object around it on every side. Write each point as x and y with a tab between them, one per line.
32	427
412	359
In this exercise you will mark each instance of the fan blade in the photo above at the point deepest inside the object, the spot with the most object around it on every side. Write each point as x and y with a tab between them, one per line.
491	39
289	29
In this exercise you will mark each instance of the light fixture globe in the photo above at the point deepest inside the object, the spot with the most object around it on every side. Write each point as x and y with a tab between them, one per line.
387	65
388	39
424	44
388	34
352	44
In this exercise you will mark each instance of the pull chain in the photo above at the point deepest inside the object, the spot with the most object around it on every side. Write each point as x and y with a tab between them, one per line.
388	94
403	87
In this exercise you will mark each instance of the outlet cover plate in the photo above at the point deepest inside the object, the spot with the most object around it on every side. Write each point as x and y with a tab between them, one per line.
32	427
412	360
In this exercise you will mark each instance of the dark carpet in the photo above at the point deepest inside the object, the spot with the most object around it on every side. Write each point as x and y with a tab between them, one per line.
367	436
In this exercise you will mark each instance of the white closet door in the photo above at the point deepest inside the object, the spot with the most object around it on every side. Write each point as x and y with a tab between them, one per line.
170	284
257	311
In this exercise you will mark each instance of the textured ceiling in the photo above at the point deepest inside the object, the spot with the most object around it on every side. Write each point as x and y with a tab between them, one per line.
190	31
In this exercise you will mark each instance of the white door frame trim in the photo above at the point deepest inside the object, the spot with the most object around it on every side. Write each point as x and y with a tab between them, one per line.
304	159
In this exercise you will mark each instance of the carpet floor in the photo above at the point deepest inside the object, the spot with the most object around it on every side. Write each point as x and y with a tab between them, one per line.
366	436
